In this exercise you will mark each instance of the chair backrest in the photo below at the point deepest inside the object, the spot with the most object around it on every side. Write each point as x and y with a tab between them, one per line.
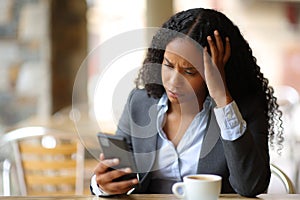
48	161
288	184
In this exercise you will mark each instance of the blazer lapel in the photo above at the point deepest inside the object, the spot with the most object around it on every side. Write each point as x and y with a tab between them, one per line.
145	146
146	158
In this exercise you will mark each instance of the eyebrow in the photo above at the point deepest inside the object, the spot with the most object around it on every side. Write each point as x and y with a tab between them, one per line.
170	63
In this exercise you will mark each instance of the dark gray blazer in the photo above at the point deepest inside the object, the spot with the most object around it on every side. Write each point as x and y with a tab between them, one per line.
243	163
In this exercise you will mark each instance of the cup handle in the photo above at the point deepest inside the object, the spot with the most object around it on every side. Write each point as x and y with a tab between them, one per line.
176	187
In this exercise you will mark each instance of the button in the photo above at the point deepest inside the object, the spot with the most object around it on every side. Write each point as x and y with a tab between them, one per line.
229	115
233	123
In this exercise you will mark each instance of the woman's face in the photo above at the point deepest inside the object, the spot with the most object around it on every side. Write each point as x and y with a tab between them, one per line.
181	72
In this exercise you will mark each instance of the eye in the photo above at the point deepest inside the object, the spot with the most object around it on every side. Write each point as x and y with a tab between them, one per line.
168	65
190	71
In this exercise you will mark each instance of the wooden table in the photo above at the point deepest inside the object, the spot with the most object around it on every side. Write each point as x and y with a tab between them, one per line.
155	197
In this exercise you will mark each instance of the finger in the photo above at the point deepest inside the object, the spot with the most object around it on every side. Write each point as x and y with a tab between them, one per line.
101	156
208	64
105	181
103	165
111	175
110	162
219	42
106	177
121	187
206	59
227	50
212	46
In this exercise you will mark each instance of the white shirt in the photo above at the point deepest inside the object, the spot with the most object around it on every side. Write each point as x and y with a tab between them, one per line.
175	162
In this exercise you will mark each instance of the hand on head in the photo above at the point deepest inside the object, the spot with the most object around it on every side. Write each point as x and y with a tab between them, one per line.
214	69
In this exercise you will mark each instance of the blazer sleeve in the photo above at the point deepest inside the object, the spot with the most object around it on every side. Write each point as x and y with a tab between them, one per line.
248	156
124	124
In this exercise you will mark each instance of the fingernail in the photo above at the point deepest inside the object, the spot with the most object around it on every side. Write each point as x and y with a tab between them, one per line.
227	38
115	160
208	38
127	170
135	181
101	156
216	32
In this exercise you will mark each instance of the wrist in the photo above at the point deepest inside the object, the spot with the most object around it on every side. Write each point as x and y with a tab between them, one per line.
225	100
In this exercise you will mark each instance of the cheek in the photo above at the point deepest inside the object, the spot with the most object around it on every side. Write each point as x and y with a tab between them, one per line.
200	69
165	74
197	84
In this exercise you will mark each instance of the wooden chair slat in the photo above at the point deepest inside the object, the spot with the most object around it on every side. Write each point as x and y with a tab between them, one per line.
66	149
47	165
50	180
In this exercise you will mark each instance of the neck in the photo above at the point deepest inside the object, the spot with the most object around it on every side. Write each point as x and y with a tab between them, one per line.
186	109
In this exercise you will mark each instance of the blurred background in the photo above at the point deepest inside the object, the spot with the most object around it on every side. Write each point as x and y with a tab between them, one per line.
43	44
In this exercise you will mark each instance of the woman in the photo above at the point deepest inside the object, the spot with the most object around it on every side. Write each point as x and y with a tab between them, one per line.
192	114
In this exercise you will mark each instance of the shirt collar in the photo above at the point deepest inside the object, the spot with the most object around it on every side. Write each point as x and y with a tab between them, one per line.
163	101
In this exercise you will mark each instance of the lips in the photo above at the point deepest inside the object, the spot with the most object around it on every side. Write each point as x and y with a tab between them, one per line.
173	94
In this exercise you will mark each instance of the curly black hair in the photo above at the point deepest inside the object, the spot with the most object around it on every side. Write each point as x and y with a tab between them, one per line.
243	76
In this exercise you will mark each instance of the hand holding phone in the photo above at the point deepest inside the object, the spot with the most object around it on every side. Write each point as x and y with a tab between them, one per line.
114	146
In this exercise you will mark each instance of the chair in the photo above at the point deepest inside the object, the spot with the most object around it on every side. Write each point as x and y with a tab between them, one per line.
288	184
48	161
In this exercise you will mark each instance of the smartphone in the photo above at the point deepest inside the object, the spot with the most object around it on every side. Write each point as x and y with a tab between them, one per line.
115	146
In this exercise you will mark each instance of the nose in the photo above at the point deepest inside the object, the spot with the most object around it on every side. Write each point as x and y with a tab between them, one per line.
176	78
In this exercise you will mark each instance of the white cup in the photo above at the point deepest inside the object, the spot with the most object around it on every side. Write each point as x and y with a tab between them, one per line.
198	186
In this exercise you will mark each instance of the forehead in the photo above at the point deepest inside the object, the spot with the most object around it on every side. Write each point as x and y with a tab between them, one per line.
186	49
